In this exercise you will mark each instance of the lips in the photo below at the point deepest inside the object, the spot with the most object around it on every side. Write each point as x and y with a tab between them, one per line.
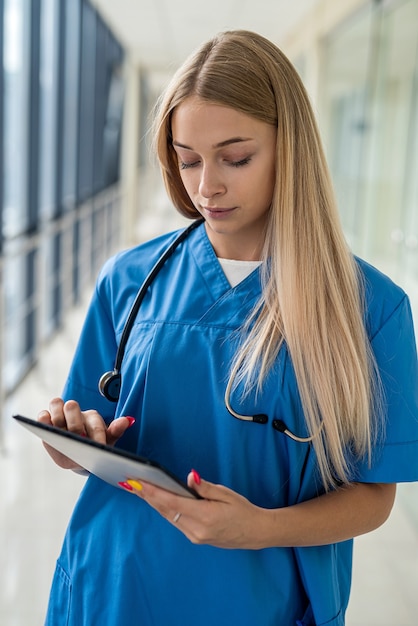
217	210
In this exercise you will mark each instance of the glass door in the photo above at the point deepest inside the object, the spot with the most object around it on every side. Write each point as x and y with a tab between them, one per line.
409	228
390	199
343	117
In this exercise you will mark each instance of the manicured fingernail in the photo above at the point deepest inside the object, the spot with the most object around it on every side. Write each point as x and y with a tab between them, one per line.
125	486
131	421
134	484
196	477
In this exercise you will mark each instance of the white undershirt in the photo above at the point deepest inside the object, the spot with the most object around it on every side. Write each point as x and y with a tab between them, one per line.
236	271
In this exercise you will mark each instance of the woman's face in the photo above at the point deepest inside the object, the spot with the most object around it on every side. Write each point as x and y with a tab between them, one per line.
227	165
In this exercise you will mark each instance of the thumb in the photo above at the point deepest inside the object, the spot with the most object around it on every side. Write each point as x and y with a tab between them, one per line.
205	489
116	429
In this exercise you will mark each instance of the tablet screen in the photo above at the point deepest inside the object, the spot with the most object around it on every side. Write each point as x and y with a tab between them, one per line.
112	465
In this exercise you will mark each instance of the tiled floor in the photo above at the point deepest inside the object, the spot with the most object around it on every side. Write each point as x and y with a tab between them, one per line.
37	499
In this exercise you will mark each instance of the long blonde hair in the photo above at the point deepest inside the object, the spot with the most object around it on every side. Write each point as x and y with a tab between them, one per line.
312	292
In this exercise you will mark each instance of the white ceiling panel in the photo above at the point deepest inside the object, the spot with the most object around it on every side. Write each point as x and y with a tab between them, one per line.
161	33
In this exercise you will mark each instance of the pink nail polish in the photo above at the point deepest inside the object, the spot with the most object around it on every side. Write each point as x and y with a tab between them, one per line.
131	421
196	477
125	486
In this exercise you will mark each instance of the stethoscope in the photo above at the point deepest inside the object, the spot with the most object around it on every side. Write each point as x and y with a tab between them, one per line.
110	382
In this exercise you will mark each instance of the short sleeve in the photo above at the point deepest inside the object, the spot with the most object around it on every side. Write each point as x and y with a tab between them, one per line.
395	455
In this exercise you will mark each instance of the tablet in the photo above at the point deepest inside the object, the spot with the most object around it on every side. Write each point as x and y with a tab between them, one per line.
112	465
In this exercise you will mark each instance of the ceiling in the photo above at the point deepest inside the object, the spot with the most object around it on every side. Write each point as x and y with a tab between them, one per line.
162	33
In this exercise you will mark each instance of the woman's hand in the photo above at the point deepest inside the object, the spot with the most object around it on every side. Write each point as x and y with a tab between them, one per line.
222	518
225	519
69	416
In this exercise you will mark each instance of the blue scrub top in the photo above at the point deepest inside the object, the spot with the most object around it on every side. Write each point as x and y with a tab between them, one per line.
122	563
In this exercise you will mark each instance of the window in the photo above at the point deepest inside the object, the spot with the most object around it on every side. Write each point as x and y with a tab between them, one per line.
87	104
391	193
347	54
371	113
59	139
2	173
48	109
70	28
16	62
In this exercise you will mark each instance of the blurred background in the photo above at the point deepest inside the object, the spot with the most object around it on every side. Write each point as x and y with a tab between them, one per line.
78	79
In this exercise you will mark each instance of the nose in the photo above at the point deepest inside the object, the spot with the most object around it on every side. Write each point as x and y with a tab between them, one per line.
211	182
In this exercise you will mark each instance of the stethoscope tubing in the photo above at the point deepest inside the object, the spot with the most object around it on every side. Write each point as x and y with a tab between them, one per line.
143	290
114	376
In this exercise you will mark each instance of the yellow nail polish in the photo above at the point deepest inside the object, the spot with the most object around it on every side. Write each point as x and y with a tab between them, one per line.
134	484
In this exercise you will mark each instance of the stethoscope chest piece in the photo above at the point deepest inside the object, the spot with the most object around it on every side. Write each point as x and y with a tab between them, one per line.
109	385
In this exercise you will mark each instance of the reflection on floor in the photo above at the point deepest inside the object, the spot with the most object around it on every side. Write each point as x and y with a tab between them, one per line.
37	499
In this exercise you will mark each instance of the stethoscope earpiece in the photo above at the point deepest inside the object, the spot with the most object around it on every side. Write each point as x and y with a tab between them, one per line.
109	385
280	425
260	418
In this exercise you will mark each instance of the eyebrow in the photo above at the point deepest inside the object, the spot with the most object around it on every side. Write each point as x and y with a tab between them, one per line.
221	144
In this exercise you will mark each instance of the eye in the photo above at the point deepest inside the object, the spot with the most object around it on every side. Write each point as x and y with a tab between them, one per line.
241	162
186	166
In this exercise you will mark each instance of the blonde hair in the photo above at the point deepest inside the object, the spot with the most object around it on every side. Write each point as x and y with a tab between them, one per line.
312	293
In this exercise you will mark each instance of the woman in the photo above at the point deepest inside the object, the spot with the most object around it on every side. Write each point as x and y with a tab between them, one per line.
261	311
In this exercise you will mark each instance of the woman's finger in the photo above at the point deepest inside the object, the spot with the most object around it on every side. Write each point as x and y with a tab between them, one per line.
76	420
56	411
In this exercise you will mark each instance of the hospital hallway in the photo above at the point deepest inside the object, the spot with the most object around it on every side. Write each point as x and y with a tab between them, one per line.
78	182
37	499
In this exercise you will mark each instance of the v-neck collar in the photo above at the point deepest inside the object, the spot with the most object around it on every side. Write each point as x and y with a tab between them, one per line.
235	302
210	267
